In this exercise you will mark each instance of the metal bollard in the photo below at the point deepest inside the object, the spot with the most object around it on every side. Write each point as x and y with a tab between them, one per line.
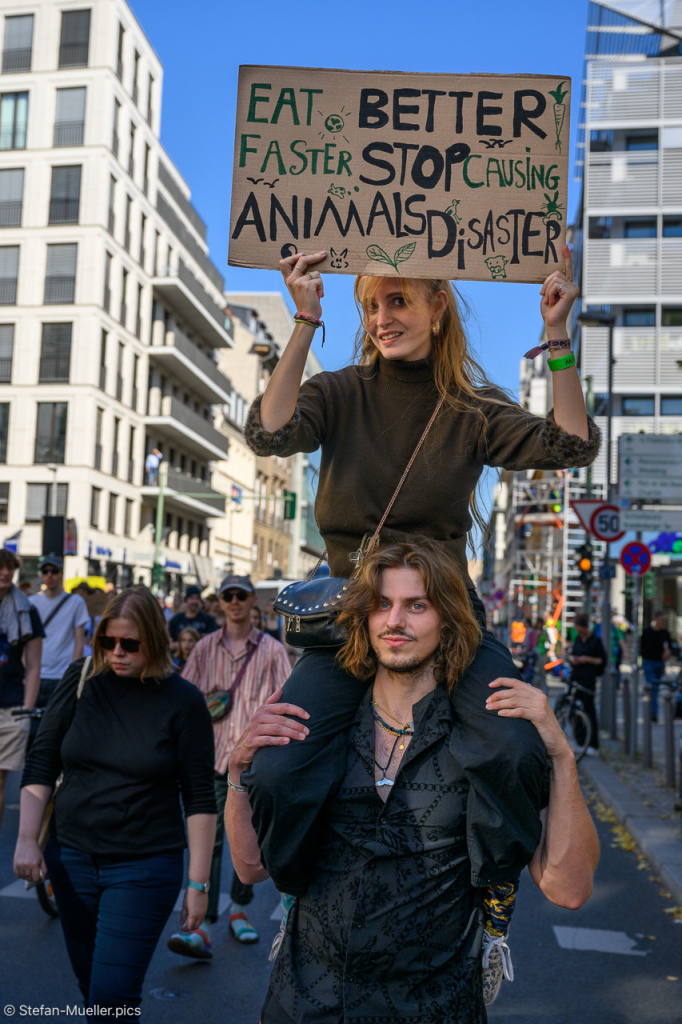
605	699
627	710
647	759
667	697
613	708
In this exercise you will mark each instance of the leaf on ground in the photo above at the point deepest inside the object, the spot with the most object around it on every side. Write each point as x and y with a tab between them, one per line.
675	911
623	838
671	977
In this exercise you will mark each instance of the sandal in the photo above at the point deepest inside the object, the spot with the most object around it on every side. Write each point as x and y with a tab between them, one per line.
242	930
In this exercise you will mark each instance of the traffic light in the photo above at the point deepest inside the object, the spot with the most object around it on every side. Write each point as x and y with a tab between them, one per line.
157	574
289	504
585	564
649	586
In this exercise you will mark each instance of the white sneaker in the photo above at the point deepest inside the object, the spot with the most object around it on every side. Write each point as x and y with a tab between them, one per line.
497	964
592	752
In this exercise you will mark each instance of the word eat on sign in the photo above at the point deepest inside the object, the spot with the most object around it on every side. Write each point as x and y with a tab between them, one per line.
419	175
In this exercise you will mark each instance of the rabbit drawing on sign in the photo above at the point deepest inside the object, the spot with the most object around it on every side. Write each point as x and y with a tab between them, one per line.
338	259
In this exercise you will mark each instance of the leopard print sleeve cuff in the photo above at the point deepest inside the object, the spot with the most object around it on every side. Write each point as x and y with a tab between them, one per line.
261	441
569	450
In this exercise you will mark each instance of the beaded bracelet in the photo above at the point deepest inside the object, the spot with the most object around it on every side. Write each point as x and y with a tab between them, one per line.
312	321
562	363
557	343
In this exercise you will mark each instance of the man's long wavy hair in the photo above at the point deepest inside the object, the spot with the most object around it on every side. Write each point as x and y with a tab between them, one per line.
142	608
457	375
445	589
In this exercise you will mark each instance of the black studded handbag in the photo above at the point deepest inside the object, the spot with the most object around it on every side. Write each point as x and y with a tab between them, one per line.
311	607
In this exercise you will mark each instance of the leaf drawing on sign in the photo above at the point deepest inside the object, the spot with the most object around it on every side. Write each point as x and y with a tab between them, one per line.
559	111
375	252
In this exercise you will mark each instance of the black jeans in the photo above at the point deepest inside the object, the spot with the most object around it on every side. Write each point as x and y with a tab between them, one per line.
587	700
239	893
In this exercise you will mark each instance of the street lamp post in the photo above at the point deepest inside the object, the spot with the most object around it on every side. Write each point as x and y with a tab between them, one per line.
597	319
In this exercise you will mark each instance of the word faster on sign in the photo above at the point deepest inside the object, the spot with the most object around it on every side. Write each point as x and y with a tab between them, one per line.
453	176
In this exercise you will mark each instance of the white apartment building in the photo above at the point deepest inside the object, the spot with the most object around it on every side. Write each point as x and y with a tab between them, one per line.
111	312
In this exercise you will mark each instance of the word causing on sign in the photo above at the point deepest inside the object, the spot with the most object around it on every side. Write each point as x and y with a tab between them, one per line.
420	175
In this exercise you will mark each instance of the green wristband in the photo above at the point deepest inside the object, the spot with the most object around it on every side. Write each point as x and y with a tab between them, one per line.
562	363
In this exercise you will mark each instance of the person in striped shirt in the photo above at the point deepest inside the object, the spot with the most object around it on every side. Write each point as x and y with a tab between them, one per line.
256	665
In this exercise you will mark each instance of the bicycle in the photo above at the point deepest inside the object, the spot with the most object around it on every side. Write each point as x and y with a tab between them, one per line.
44	887
573	718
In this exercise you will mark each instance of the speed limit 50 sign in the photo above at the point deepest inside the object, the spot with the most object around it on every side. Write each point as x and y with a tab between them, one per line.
605	523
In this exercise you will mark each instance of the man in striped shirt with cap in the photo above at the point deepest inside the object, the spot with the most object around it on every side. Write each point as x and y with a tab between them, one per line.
253	665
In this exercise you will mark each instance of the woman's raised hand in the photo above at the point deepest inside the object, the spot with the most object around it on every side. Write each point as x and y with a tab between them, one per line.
558	294
305	285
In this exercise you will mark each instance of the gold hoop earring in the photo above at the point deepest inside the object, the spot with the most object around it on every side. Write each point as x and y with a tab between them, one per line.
436	328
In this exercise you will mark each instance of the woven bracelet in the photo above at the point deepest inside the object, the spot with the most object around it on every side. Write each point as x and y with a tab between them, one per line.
312	321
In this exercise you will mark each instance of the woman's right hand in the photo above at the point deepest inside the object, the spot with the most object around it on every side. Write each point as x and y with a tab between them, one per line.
28	861
268	727
305	286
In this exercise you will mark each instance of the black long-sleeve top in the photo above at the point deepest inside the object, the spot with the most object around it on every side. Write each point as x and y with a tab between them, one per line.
128	749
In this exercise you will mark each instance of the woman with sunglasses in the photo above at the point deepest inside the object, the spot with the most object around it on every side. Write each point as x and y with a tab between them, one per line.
136	739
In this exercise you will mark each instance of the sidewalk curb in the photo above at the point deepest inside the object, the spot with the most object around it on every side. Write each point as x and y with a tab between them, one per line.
656	840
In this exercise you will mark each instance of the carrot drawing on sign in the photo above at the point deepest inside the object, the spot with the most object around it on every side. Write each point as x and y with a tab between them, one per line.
559	111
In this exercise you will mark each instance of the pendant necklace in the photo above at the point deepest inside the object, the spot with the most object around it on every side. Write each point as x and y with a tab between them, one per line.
383	781
406	730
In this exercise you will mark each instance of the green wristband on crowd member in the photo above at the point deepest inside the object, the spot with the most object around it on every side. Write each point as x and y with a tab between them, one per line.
562	363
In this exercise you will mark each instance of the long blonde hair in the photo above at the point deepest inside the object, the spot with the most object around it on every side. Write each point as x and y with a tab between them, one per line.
457	375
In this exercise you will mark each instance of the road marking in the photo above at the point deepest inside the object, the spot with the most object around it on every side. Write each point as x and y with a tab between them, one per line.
18	888
597	940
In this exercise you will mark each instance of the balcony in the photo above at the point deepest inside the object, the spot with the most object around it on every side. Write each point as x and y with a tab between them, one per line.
131	166
49	448
64	211
103	377
631	269
622	179
115	144
107	298
131	471
54	370
177	490
73	55
68	133
10	215
59	290
188	429
181	356
16	61
98	456
6	371
8	291
181	290
119	386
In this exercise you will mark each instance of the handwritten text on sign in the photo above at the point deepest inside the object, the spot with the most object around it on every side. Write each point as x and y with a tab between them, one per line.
453	176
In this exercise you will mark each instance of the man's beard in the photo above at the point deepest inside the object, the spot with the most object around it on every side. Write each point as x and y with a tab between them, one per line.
415	666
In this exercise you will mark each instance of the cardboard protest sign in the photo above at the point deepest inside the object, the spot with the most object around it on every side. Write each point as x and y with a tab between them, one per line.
450	176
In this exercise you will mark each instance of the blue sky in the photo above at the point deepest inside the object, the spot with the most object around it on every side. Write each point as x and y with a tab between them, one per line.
202	45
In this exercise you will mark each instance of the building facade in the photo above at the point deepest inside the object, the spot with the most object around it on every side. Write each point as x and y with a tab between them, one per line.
111	312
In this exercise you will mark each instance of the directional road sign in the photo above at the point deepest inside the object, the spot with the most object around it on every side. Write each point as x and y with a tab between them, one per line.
635	558
650	466
605	523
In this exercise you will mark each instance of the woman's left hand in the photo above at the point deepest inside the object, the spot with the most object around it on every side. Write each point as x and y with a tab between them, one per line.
558	294
520	700
194	907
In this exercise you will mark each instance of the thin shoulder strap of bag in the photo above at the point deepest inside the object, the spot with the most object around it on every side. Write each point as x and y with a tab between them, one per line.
84	674
242	670
408	467
54	611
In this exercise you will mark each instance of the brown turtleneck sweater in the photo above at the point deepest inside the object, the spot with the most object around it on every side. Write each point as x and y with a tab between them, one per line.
368	422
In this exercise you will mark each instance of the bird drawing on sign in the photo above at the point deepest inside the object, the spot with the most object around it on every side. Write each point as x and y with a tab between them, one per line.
271	184
495	143
254	180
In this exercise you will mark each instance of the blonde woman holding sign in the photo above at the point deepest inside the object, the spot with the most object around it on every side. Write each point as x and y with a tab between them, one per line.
367	419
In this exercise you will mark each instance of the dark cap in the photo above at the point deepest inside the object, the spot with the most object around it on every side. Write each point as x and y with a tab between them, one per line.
54	560
191	591
236	583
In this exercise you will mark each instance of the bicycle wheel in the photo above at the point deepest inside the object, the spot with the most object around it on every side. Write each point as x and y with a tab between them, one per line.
578	729
46	898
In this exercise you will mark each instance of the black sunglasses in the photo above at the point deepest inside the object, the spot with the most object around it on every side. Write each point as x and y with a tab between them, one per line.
130	646
241	595
49	571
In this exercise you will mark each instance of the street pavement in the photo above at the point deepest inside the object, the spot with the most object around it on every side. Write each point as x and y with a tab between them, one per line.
618	960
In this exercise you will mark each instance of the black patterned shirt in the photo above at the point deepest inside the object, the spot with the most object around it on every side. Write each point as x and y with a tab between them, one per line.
390	929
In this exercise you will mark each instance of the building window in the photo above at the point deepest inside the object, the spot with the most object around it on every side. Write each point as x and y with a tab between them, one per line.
6	352
16	53
131	152
672	227
107	281
643	316
638	405
126	233
9	271
124	288
138	314
119	371
136	77
671	316
150	99
103	360
39	501
13	120
65	195
114	139
143	229
145	176
94	507
128	518
157	244
599	227
11	197
131	455
4	502
4	430
75	39
114	454
112	204
98	438
50	432
640	227
136	371
60	275
69	122
55	354
641	140
671	405
119	52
